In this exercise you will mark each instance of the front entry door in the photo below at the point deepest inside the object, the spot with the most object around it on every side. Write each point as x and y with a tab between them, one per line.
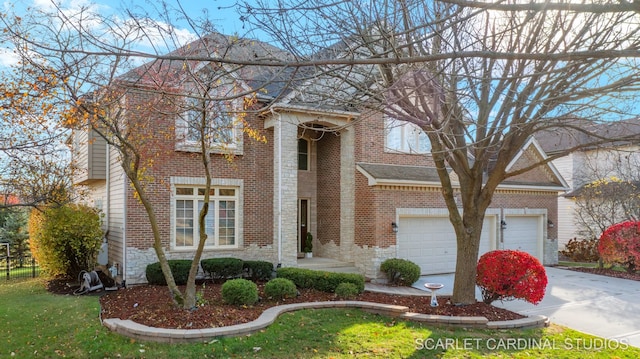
303	222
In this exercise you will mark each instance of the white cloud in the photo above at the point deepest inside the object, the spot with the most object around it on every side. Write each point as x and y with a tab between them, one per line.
8	58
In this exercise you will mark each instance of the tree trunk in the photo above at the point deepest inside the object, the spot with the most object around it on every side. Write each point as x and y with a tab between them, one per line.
464	284
131	171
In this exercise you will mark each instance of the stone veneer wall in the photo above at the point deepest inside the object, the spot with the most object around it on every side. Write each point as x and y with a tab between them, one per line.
138	259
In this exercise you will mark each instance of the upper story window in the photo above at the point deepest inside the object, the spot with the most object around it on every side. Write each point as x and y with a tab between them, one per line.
303	154
218	122
404	137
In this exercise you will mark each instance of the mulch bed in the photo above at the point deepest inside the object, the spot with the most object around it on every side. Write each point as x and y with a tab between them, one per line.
151	305
607	272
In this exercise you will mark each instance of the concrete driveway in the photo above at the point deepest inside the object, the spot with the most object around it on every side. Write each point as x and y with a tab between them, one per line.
602	306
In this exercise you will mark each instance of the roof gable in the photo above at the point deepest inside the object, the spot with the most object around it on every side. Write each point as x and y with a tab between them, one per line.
544	175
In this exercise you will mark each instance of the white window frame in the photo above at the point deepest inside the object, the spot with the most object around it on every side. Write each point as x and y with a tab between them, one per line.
411	137
186	142
213	242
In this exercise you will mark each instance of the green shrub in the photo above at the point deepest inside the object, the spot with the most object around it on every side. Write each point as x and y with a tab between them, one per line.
280	288
347	290
222	268
179	268
320	280
240	292
65	240
258	270
400	271
582	250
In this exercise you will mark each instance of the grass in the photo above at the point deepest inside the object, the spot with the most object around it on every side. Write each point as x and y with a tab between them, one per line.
589	265
38	324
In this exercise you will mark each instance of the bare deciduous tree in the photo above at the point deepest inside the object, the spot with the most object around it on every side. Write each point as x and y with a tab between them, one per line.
478	82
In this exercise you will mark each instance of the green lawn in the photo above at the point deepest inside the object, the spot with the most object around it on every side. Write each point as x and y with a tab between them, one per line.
34	323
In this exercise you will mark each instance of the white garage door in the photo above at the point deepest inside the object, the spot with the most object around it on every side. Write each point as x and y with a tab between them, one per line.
522	233
430	242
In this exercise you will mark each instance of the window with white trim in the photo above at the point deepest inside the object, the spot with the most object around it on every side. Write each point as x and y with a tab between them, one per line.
220	223
222	129
405	137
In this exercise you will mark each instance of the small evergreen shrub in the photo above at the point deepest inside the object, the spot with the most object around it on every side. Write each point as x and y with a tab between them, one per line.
258	270
400	271
280	288
239	292
347	290
179	268
222	268
620	244
581	250
321	280
65	240
509	274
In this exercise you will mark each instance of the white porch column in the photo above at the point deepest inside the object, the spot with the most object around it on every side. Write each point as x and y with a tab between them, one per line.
347	194
285	165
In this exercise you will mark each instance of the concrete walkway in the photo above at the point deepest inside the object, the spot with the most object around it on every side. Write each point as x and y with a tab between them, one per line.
598	305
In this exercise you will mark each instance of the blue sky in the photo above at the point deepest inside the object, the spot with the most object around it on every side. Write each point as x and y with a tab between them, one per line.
221	12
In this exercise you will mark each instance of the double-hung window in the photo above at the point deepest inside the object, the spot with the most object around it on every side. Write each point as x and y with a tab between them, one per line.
405	137
220	223
216	120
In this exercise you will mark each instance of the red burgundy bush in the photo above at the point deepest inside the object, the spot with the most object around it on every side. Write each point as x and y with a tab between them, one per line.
509	274
620	244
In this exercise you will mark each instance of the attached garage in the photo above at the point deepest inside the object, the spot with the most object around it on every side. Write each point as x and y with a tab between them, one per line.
523	233
430	242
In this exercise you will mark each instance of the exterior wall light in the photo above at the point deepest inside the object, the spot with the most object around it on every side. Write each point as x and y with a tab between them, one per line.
394	227
550	223
503	224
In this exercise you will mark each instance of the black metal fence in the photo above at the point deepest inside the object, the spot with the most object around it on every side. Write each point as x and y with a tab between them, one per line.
22	266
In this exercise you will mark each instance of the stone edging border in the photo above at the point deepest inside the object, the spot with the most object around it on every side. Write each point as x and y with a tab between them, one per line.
137	331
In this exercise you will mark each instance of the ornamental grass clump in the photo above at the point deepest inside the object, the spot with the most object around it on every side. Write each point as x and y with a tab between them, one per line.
510	274
620	244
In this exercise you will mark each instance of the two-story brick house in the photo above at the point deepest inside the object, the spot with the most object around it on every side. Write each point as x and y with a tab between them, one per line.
364	185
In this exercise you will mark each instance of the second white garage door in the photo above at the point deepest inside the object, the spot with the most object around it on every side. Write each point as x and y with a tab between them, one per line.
523	234
430	242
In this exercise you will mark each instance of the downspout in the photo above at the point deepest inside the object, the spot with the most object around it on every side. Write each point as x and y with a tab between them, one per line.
275	114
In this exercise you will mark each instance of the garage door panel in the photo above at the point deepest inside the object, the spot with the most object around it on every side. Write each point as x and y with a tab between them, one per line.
430	242
522	234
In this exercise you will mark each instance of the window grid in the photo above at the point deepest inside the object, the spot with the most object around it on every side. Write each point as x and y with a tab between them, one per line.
222	211
221	130
405	137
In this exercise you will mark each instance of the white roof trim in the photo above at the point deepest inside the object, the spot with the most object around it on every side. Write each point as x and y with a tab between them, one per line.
372	181
533	142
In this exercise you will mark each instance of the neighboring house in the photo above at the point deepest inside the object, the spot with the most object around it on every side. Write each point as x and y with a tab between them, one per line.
363	185
589	163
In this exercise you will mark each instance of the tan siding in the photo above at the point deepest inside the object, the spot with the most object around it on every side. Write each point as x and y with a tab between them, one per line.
566	212
89	157
117	205
98	160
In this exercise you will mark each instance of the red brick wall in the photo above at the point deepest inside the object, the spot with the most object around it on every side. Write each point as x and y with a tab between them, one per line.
370	134
329	189
255	167
376	209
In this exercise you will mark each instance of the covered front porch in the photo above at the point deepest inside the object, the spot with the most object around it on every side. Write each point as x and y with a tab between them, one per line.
314	177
